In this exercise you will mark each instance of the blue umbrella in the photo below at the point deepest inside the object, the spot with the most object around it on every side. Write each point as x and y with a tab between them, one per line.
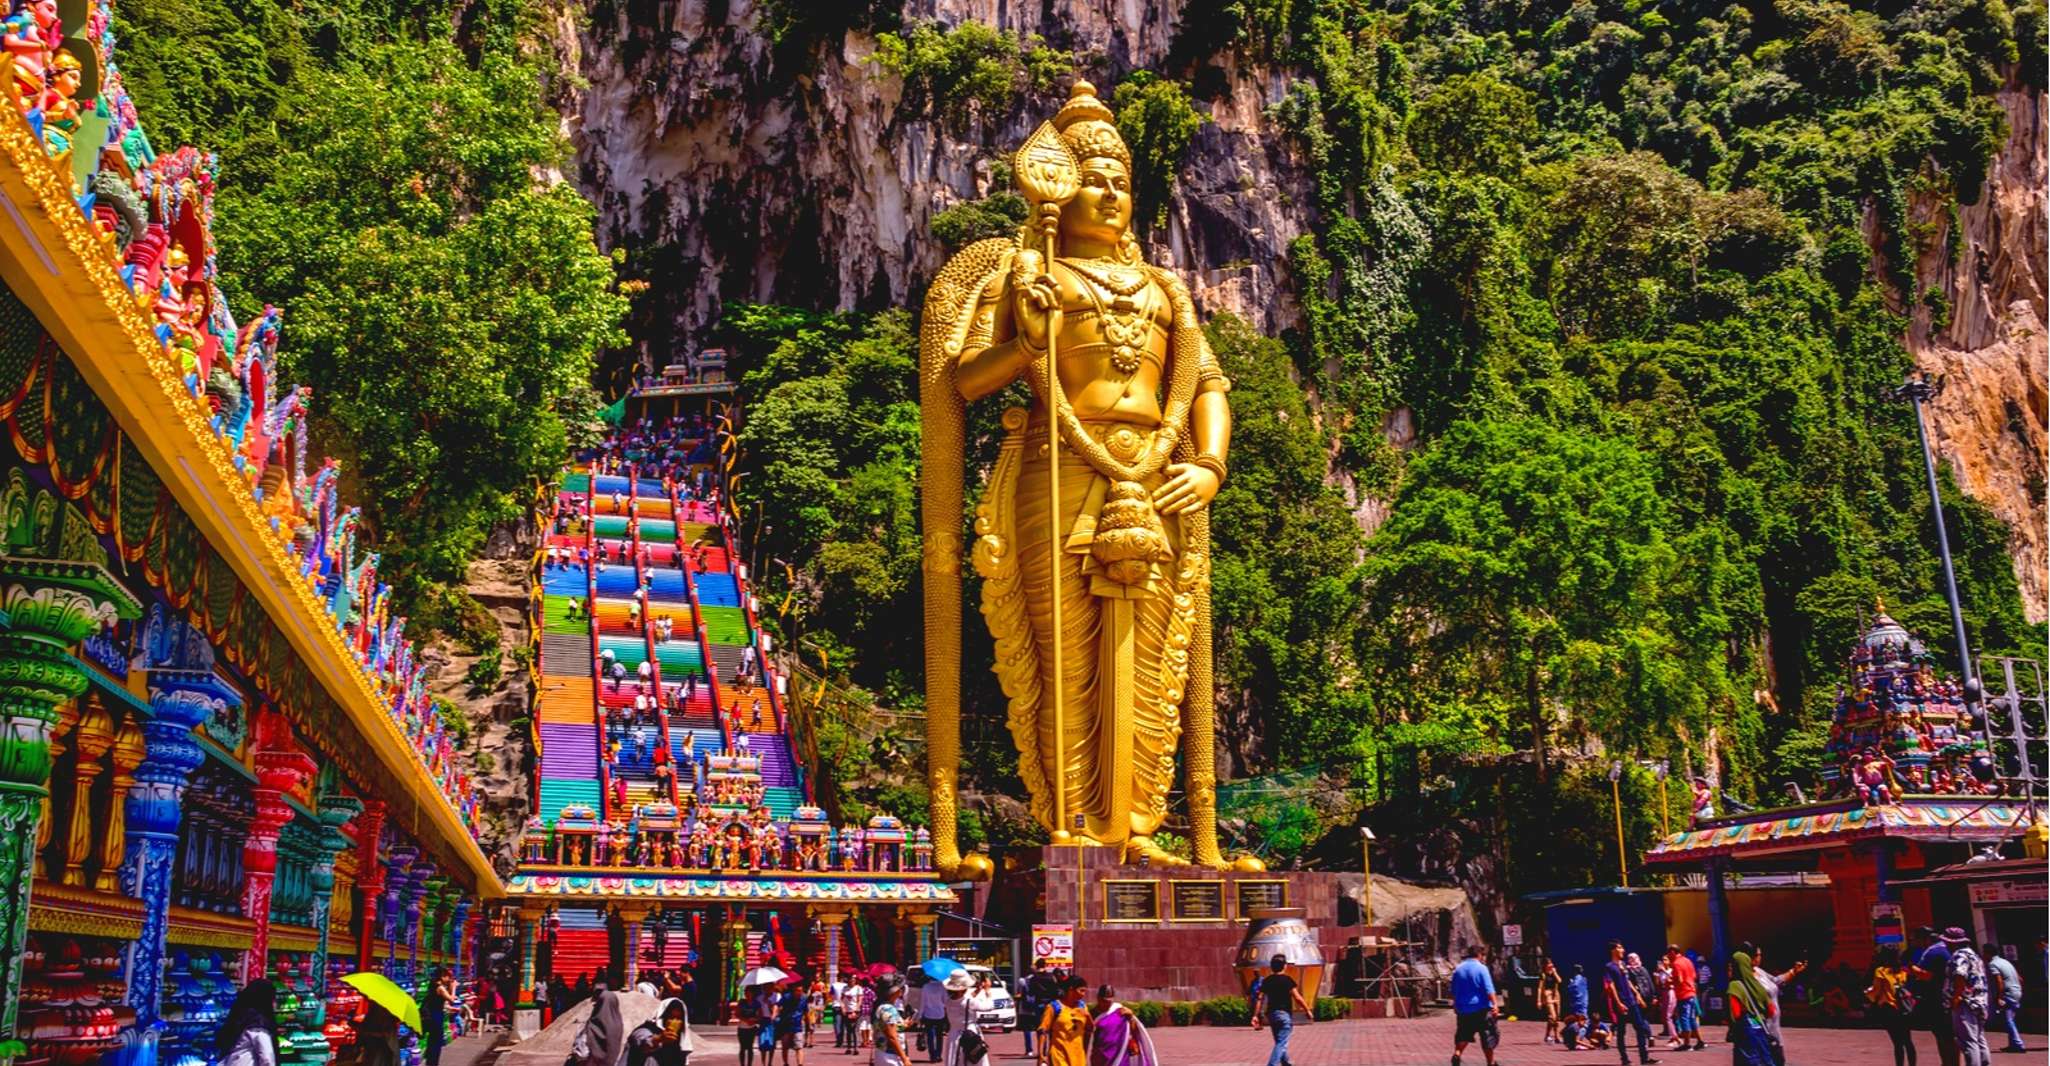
939	969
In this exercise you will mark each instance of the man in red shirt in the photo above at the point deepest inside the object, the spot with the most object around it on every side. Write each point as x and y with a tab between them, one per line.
1686	1008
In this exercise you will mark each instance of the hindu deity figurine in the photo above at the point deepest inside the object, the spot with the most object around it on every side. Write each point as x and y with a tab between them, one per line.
60	103
534	842
1094	527
27	36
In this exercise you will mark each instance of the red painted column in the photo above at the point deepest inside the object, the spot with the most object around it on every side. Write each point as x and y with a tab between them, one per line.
278	771
369	880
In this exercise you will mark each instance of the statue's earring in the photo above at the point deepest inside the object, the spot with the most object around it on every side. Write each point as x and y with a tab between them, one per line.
1128	248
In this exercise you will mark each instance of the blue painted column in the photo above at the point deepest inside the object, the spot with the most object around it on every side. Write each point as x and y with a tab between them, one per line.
180	699
335	812
459	939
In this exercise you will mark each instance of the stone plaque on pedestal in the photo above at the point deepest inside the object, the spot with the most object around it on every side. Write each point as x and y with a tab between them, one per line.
1196	901
1260	895
1131	901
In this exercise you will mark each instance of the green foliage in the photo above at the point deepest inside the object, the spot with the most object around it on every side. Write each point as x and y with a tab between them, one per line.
1223	1010
1147	1011
1474	123
379	184
1157	121
997	215
1183	1012
485	672
1330	1008
971	71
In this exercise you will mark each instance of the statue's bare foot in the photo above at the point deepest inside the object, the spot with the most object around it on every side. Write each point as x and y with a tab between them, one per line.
1144	847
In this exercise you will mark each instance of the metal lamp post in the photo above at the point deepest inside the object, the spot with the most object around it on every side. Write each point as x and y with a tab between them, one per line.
1367	871
1616	796
1919	390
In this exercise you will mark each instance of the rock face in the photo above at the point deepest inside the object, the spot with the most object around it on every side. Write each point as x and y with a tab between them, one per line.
1994	352
735	173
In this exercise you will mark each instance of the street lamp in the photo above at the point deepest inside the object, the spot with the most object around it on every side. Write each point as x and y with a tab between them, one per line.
1367	871
1919	390
1616	795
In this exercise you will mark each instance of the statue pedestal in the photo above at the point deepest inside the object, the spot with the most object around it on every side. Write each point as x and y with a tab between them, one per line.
1161	932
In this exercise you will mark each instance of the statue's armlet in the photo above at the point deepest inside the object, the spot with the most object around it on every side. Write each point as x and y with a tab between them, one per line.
992	358
1209	376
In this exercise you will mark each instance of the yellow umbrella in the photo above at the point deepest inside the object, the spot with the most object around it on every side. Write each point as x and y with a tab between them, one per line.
379	989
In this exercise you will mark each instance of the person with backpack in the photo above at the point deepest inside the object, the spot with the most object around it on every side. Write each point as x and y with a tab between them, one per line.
1892	998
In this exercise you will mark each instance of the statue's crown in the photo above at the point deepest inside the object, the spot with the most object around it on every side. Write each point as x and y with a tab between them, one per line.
1086	124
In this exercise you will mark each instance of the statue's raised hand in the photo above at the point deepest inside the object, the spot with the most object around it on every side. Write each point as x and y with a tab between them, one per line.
1035	300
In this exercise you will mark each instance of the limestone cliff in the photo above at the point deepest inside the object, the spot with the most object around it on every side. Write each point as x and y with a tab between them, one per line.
1994	351
734	172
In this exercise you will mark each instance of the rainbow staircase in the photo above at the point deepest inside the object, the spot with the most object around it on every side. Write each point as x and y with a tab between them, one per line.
651	557
581	946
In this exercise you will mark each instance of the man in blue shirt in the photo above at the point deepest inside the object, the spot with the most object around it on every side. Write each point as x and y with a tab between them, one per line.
1626	1007
1475	1005
1935	961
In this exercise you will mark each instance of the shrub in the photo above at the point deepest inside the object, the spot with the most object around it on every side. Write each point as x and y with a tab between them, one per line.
1330	1009
1223	1010
1147	1011
1182	1012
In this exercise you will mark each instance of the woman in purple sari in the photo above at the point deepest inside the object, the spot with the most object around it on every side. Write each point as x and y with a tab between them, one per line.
1115	1036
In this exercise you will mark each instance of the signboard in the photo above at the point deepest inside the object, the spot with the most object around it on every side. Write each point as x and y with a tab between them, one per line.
1055	944
1887	925
1196	901
2011	890
1512	936
1131	901
1253	895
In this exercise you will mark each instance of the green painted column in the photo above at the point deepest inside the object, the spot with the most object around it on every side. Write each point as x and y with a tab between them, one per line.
335	812
50	604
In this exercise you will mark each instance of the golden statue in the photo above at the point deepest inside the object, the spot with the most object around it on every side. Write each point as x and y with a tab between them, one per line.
1115	486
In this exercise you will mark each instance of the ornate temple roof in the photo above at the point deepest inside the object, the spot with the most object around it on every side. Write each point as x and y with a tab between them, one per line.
778	887
1939	818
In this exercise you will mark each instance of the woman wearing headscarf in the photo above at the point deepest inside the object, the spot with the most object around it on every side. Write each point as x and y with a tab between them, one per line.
663	1040
604	1033
245	1037
1750	1006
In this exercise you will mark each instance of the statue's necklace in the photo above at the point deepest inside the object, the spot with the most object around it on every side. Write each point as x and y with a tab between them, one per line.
1126	321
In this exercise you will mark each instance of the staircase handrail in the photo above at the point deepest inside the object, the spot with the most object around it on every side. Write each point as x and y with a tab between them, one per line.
591	623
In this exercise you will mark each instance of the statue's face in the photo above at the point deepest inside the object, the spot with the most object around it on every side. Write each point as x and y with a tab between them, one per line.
1103	208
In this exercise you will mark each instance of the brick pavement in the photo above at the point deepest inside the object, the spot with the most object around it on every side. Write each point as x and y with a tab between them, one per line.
1409	1042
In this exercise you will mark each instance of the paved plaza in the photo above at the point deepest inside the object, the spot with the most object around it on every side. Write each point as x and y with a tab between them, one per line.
1410	1042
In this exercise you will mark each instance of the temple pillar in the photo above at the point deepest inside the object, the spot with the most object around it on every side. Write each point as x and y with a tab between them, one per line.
279	770
50	605
734	929
399	859
130	749
335	812
831	921
417	889
530	934
1719	917
369	880
179	701
632	917
459	938
922	922
92	739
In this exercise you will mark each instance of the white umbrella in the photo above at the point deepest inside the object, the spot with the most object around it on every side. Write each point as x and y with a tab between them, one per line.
552	1045
763	975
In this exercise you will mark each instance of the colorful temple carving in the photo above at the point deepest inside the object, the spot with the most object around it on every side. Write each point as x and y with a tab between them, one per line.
219	760
1909	781
669	798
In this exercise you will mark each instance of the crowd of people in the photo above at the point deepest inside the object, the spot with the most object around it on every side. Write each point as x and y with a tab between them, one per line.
1941	985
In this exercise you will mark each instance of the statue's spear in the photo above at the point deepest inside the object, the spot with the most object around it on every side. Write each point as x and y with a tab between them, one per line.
1050	177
